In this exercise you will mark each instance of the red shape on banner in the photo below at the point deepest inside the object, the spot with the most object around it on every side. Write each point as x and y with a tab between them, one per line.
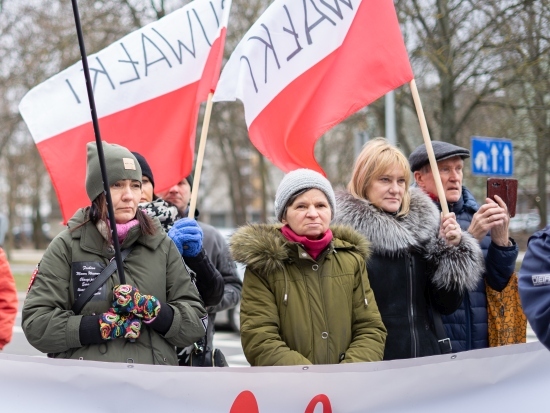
245	403
320	398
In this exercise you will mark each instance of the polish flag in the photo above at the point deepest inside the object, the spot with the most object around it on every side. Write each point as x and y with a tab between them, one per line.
148	87
306	65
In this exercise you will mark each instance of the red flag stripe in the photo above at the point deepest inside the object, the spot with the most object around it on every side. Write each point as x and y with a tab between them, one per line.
137	129
371	61
162	129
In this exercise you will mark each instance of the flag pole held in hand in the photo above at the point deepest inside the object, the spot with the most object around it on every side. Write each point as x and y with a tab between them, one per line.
99	145
200	157
429	148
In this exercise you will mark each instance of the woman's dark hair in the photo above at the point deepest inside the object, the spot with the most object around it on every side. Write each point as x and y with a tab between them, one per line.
98	211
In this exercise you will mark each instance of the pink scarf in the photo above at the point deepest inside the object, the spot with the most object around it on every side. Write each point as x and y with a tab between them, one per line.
314	247
122	229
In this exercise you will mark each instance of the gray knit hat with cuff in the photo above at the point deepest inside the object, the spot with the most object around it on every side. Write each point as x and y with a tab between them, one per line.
120	164
442	150
299	180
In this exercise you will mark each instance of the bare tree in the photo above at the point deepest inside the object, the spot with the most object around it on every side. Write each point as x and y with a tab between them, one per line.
482	67
527	54
454	48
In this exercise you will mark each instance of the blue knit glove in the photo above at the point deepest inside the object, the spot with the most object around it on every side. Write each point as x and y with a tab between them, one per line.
187	235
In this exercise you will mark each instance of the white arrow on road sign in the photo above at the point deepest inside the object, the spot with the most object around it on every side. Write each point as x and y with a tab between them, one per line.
481	161
494	157
507	152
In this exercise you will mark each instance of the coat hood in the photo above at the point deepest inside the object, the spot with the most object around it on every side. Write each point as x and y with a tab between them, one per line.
386	232
264	247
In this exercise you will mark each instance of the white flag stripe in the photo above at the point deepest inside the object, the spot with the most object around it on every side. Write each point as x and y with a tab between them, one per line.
288	39
155	60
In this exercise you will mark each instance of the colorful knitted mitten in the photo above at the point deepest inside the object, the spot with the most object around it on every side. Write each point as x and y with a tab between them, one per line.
128	300
112	325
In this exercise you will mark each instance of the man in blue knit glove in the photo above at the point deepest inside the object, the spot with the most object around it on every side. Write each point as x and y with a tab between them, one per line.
217	279
187	235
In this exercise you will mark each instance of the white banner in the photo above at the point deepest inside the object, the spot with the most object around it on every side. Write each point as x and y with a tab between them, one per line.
505	379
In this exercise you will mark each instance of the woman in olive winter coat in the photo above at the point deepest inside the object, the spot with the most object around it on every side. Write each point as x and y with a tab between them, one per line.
419	263
306	294
139	322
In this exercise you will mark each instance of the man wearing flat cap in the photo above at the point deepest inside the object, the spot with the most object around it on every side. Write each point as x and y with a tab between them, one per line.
488	223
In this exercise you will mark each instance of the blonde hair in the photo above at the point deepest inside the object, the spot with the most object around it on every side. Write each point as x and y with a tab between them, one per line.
376	157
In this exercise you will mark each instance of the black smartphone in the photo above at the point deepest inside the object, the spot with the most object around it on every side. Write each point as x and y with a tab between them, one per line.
505	188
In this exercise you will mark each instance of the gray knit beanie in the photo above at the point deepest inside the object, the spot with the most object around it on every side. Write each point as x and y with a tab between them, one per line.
120	164
299	180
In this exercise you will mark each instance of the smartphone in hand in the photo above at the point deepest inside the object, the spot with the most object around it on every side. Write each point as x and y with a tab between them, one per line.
505	188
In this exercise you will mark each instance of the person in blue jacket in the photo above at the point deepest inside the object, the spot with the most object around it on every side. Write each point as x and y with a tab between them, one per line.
488	223
534	284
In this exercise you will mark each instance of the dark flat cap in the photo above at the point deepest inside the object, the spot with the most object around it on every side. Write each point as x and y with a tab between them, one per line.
442	150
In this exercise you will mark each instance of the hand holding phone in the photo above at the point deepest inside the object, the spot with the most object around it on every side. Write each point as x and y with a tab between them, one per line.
506	189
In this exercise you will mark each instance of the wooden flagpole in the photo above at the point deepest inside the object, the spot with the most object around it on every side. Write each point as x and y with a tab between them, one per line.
429	148
200	157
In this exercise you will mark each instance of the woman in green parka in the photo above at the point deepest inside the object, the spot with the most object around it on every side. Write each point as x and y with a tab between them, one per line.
139	322
306	296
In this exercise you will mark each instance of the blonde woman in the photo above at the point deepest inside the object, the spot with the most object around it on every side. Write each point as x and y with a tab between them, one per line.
420	261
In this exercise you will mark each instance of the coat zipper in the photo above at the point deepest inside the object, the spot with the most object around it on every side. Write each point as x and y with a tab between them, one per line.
411	306
319	280
469	341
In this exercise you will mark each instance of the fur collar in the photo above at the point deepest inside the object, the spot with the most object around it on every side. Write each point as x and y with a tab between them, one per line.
263	248
386	232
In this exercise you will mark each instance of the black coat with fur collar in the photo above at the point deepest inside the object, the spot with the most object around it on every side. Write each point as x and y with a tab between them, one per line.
411	266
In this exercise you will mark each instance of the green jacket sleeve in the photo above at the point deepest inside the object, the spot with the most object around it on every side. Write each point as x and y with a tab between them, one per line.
262	343
369	332
47	320
190	316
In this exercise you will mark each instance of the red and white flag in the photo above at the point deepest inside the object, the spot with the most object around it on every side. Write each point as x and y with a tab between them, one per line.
148	87
306	65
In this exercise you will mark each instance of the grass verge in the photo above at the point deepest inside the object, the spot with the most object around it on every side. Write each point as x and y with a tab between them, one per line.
22	281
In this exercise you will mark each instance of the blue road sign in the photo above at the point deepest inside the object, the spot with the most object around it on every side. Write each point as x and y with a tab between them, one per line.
492	156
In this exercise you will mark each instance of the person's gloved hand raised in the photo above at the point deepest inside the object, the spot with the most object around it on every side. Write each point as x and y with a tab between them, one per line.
187	235
128	300
113	325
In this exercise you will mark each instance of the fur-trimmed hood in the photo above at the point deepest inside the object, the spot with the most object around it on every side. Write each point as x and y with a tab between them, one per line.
264	247
387	233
